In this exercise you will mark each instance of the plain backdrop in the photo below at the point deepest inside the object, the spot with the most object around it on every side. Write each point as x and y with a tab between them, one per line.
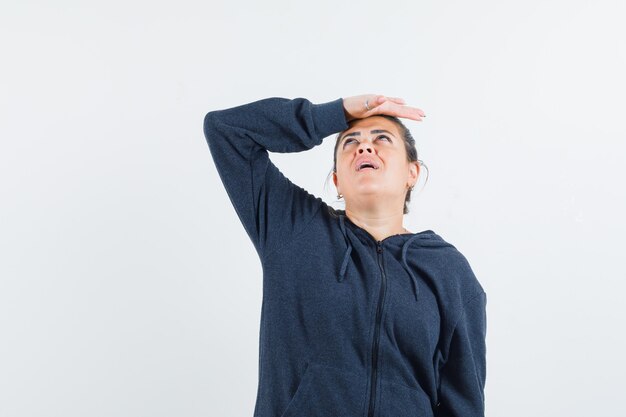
128	286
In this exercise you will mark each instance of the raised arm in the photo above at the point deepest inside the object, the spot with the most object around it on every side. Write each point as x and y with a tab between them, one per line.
272	209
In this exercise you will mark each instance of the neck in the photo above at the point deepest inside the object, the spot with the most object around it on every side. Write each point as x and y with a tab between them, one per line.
378	224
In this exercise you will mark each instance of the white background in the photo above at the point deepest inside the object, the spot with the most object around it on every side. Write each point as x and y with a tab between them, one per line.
128	287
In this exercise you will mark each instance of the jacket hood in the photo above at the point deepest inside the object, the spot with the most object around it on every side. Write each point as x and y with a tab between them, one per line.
424	238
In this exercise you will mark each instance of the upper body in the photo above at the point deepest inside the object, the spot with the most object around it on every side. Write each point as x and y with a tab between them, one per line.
357	319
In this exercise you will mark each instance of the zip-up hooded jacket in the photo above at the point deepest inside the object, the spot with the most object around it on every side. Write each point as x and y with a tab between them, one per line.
351	326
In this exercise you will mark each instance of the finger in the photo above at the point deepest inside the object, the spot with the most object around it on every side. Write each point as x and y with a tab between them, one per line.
381	99
411	113
398	100
420	112
411	110
397	110
373	102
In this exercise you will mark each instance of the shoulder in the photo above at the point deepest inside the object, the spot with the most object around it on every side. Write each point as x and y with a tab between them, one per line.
456	273
468	278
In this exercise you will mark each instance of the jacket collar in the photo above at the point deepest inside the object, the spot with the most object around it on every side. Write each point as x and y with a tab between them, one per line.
343	220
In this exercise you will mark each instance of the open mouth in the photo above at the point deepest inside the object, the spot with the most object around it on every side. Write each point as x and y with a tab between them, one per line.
366	165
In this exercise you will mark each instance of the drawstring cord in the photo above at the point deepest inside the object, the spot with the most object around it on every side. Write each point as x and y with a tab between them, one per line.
348	251
346	256
404	249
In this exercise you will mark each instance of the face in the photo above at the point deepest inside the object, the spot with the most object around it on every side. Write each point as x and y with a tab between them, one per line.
378	140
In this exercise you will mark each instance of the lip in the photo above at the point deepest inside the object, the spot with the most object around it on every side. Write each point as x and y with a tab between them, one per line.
365	159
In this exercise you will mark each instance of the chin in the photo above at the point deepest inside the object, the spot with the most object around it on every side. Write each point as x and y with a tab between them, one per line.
369	190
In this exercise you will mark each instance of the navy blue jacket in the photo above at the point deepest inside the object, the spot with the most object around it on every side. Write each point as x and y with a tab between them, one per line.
350	326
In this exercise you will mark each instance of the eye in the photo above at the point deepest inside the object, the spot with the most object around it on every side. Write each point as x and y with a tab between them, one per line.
347	141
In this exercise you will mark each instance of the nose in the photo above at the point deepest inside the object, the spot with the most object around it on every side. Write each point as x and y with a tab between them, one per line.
365	147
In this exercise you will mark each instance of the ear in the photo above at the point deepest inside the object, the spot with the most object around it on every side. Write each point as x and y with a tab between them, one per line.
414	170
335	179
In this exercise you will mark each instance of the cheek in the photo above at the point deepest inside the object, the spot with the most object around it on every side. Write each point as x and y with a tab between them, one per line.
398	170
344	163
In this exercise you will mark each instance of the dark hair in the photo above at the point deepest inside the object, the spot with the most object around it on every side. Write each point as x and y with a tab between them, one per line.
409	145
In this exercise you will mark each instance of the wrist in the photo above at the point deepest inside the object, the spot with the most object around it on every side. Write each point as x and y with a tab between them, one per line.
348	116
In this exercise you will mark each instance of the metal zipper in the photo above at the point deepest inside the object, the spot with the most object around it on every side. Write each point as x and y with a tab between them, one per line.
376	341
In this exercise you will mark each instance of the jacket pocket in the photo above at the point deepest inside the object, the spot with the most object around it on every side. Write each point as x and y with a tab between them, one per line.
397	400
327	391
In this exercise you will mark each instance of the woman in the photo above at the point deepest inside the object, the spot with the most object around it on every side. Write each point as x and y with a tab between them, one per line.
360	317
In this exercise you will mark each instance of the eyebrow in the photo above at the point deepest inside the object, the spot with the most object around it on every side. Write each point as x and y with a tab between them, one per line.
371	131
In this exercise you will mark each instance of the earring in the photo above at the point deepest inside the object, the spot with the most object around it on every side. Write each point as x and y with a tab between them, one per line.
339	196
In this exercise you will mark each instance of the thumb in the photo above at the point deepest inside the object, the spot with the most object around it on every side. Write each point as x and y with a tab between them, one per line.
379	99
375	101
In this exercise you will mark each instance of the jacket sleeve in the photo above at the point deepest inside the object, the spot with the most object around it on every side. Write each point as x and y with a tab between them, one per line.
464	373
272	209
